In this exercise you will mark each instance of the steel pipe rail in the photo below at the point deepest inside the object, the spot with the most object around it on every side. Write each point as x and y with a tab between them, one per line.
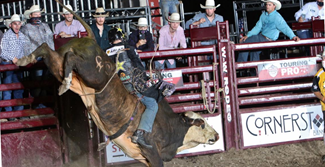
179	52
281	43
26	113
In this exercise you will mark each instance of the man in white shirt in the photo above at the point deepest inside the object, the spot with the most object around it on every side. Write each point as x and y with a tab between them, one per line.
309	10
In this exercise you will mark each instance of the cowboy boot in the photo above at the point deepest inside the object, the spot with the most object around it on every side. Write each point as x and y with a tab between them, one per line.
138	138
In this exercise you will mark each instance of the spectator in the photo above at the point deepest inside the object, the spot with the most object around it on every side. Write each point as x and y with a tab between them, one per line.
69	27
318	86
168	6
207	19
309	10
170	37
36	33
267	28
141	38
12	49
100	29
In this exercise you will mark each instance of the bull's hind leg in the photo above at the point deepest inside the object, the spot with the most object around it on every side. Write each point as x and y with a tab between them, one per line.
69	64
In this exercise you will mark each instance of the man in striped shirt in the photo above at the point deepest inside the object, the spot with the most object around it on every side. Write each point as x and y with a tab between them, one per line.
12	49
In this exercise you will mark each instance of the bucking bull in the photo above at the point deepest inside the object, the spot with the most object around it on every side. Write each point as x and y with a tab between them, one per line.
83	67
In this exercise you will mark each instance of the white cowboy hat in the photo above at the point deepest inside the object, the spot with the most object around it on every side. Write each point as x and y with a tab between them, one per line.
142	22
13	18
34	8
209	4
174	17
275	2
100	12
65	11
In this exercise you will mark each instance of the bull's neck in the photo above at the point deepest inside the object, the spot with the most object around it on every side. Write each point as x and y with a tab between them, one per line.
116	106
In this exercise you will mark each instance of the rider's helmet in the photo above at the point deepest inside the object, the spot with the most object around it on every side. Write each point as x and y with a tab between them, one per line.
115	34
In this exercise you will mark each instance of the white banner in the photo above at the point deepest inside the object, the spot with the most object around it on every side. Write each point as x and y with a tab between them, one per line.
276	126
114	154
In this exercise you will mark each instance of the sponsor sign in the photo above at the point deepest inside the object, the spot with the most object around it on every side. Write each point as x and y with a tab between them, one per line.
226	83
114	154
276	126
287	68
174	76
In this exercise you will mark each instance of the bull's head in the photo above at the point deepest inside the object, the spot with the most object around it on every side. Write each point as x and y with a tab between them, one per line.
199	133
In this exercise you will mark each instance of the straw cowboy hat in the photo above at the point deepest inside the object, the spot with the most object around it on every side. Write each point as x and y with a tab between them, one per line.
142	22
34	8
209	4
65	11
13	18
174	17
100	12
275	2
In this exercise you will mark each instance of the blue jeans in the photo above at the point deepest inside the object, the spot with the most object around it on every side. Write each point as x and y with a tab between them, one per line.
168	7
304	34
149	115
254	55
12	77
162	66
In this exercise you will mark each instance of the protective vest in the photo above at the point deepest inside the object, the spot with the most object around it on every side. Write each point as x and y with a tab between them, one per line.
123	62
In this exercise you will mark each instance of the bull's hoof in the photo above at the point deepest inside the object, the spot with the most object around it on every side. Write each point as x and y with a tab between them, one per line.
63	88
101	146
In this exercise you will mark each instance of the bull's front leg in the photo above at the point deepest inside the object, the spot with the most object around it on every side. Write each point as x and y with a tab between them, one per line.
69	65
41	51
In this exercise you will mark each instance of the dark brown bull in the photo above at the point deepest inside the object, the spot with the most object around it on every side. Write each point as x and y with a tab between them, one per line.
84	68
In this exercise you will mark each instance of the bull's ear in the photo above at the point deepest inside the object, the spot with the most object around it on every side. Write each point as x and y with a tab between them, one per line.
197	122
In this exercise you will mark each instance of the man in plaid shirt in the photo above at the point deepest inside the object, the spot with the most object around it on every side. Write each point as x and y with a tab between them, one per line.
12	49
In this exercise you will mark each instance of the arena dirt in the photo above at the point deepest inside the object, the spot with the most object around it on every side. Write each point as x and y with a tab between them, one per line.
305	154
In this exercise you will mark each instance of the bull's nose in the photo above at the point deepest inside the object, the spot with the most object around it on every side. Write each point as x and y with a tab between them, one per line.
216	136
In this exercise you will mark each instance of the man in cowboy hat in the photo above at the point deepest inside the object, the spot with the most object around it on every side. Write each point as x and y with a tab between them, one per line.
36	33
267	28
69	27
207	19
141	38
100	29
12	49
170	36
168	6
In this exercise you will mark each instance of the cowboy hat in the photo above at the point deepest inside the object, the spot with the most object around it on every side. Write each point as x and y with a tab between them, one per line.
209	4
142	22
65	11
275	2
100	12
13	18
174	17
34	8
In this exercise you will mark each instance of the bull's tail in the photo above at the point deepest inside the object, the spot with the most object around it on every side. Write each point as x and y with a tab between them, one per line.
87	27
